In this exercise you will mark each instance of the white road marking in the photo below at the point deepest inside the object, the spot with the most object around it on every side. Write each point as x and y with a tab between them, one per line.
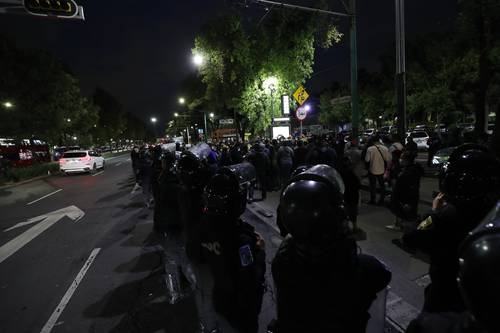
47	221
69	293
45	196
119	163
127	160
97	174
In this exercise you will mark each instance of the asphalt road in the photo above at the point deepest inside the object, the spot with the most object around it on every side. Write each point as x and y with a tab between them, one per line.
60	271
77	254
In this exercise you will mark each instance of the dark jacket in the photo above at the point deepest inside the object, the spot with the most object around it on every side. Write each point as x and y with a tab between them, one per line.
406	192
326	296
238	268
440	236
191	209
167	215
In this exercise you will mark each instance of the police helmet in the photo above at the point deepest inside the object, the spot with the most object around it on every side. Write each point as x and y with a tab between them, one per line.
471	178
298	170
311	206
224	196
189	169
479	273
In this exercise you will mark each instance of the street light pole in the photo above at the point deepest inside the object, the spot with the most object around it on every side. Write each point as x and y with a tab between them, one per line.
205	121
354	70
400	67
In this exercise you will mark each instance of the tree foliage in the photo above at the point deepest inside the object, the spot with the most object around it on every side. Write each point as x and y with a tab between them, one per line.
239	59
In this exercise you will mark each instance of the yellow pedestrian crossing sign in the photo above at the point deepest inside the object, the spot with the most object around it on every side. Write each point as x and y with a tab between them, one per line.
300	95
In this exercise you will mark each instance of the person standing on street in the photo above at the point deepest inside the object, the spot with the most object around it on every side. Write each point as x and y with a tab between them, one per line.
470	187
193	175
377	156
351	195
285	162
322	283
134	157
259	159
406	191
235	254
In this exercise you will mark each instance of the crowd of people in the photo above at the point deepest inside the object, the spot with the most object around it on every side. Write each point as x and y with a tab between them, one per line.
322	282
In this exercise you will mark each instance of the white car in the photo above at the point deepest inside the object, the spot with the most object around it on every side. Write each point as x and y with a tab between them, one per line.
420	138
81	161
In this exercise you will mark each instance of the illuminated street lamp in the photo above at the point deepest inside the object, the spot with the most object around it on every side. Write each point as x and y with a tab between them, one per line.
153	120
211	115
307	107
270	85
182	100
8	104
176	114
74	138
198	59
68	120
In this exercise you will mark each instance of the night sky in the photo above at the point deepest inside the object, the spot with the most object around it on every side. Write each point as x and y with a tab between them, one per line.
140	50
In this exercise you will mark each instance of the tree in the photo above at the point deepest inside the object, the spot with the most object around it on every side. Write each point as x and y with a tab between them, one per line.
479	32
112	122
239	60
48	101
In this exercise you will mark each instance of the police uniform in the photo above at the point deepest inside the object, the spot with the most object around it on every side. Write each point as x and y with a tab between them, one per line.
238	268
322	283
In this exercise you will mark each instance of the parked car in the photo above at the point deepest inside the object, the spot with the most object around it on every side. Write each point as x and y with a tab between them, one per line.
442	156
81	161
420	138
440	128
420	128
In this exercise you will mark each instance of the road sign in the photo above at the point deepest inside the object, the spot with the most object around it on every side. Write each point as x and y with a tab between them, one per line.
300	95
228	121
58	8
285	105
301	113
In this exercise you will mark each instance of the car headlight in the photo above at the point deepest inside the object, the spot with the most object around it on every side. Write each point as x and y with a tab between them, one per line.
436	160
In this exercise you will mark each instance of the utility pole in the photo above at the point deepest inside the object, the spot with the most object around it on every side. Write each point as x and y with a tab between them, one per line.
400	68
354	71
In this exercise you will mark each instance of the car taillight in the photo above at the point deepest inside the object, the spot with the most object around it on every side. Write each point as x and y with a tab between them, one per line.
62	161
85	159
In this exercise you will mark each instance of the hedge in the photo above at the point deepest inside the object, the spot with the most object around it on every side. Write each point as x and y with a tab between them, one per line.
23	173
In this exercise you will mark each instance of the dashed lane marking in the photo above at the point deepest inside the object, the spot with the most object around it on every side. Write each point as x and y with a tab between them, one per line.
97	174
45	196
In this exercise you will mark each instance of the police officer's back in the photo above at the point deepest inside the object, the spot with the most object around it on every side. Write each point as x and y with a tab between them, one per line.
323	284
234	252
193	176
167	213
470	186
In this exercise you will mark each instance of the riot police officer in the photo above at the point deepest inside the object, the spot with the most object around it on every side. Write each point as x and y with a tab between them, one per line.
235	253
323	284
470	187
478	276
193	176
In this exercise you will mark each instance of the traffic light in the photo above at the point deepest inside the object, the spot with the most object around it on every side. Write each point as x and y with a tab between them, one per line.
55	8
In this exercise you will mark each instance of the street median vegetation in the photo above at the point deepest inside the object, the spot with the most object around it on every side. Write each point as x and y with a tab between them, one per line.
14	175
